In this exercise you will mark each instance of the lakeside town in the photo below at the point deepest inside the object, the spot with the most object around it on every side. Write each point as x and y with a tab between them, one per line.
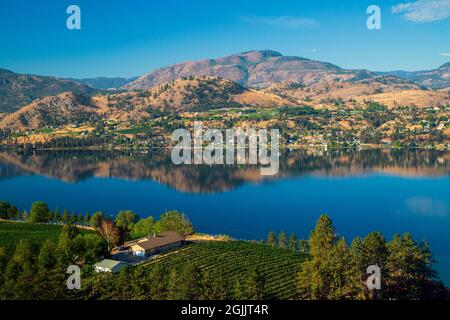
339	125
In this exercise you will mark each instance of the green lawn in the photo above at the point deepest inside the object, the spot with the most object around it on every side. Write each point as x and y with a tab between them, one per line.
134	130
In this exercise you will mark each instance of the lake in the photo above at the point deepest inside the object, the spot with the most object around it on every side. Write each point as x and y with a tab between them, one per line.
387	191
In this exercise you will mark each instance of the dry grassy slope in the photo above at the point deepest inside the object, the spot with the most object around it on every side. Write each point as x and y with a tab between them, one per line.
180	95
184	95
418	98
62	109
204	93
344	88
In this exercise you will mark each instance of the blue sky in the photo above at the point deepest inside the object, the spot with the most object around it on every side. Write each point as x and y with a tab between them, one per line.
129	38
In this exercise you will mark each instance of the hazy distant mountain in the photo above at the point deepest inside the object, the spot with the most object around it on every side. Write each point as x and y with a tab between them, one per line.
251	69
18	90
105	83
435	79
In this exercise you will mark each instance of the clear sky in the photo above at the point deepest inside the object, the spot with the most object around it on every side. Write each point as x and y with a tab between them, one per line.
132	37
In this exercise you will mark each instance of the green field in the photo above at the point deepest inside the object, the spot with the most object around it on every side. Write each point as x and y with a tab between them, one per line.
235	259
12	232
134	130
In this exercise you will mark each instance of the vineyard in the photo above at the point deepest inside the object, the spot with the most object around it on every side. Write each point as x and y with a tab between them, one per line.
235	259
12	232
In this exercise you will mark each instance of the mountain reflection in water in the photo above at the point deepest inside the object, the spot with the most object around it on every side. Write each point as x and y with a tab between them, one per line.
75	166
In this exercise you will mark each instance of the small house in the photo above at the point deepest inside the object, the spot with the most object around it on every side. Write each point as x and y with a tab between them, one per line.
157	244
112	266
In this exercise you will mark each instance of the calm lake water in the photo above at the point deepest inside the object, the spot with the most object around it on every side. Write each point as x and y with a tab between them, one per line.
391	192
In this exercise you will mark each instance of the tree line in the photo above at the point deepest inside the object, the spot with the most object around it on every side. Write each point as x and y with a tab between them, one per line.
336	270
125	226
330	268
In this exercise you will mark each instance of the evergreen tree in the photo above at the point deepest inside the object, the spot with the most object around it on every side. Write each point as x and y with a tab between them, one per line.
123	285
40	213
73	218
410	269
254	286
80	219
65	244
47	256
238	291
96	220
271	239
190	282
303	246
372	250
25	216
282	240
65	217
57	216
293	242
19	273
156	277
86	219
173	292
315	277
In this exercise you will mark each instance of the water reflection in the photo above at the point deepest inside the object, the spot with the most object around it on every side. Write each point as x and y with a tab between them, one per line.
75	166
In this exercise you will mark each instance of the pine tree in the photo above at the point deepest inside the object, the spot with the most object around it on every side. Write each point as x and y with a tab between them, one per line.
238	291
57	216
40	213
315	277
65	243
173	292
86	219
254	286
410	268
271	239
157	289
18	216
47	256
80	219
370	251
73	218
303	246
66	217
293	242
25	216
282	240
190	282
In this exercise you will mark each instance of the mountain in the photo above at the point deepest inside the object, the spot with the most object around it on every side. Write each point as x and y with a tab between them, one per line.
330	90
17	90
63	109
434	79
258	69
105	83
196	94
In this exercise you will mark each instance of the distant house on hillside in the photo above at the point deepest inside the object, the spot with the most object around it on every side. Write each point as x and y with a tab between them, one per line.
148	246
112	266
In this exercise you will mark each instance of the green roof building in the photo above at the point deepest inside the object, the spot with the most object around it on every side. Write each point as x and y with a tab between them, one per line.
112	266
